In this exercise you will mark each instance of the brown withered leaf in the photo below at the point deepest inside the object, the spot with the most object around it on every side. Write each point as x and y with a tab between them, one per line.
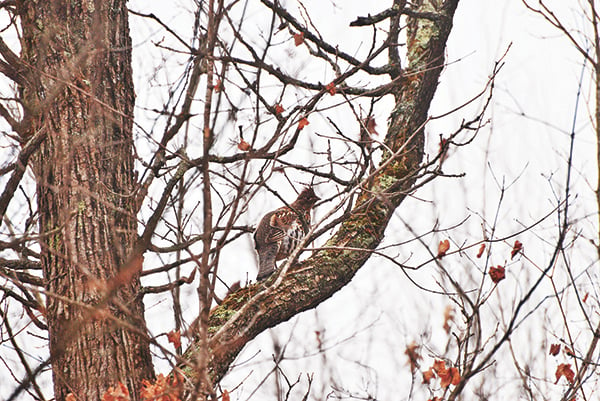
303	123
481	249
564	369
164	388
428	375
497	274
371	124
412	352
298	38
448	317
331	88
517	247
116	393
450	376
174	338
243	145
443	247
554	349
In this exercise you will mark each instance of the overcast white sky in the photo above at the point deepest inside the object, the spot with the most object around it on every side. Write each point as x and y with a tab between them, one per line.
367	325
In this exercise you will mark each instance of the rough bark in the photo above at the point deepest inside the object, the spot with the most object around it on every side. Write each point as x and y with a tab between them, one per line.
79	94
250	311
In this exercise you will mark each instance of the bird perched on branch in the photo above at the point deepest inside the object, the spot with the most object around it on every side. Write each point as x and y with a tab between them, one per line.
280	231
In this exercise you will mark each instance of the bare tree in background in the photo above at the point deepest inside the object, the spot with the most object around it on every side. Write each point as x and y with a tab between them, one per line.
573	342
76	245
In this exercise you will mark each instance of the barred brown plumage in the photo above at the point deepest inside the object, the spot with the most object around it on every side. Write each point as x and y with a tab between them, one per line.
280	231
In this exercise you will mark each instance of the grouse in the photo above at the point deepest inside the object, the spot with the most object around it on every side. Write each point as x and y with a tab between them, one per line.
280	231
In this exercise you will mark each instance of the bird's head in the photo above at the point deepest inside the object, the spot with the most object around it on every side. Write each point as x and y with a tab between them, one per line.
306	200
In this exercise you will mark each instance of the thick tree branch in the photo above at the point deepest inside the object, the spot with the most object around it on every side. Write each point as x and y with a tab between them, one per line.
254	309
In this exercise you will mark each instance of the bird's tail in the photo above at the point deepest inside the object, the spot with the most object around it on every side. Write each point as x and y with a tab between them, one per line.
266	260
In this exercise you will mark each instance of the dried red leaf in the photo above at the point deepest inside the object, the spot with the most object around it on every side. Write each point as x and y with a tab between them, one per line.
70	397
117	393
412	352
585	297
447	376
497	274
554	349
298	38
517	247
278	109
218	86
439	366
448	317
162	389
428	375
243	145
303	123
480	251
174	338
370	124
450	376
331	88
443	248
455	376
564	369
225	396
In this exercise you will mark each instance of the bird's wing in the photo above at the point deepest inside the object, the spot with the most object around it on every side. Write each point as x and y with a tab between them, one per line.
280	222
266	260
266	232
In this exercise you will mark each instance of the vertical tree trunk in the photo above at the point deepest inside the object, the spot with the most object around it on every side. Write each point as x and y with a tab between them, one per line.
80	94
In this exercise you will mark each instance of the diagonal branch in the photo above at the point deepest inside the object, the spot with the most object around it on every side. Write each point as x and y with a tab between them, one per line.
241	317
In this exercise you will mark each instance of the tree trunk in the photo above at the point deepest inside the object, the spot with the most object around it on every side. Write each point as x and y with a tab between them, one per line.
80	95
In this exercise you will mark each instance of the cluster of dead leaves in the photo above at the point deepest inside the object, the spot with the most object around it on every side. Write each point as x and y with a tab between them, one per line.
164	388
496	273
563	369
116	393
448	376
